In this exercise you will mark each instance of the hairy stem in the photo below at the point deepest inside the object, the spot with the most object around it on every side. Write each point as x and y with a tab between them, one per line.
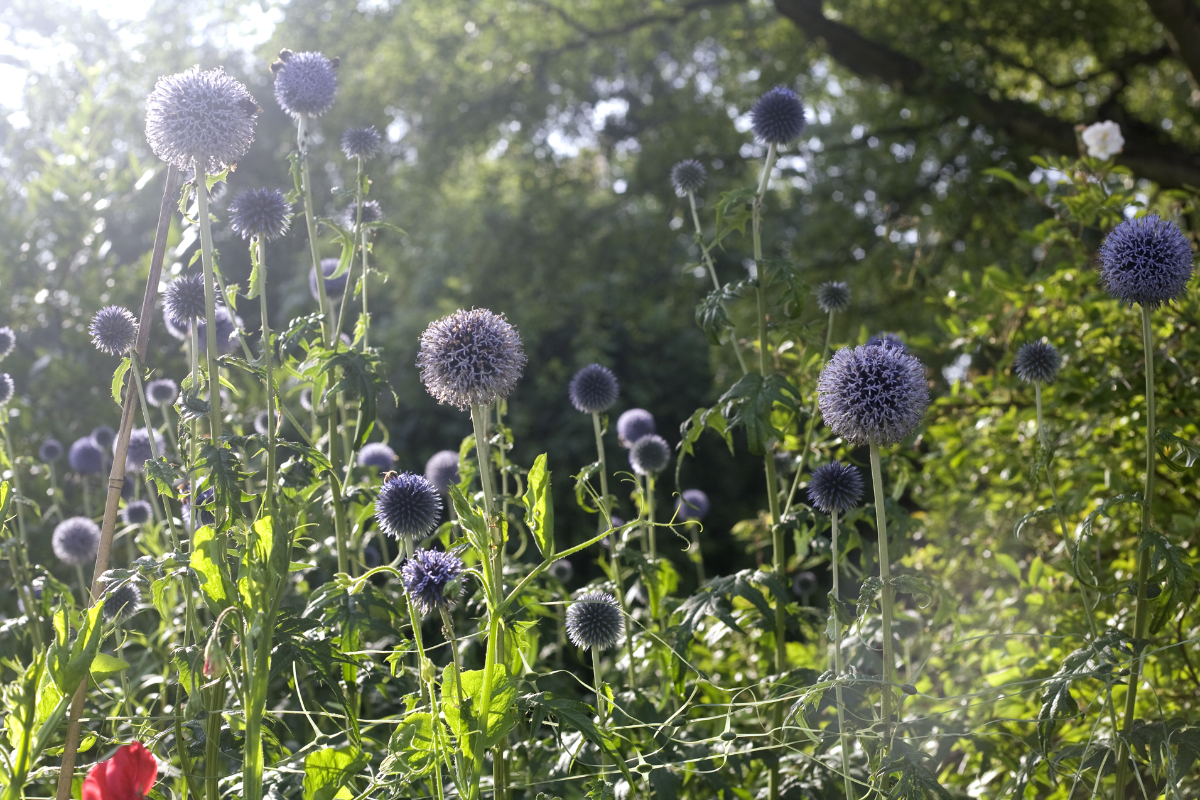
838	666
888	594
210	303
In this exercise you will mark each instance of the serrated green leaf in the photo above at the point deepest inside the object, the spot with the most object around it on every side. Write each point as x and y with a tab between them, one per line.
539	507
328	773
104	666
205	560
118	381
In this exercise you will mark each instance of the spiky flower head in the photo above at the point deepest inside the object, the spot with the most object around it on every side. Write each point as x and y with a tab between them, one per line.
633	425
50	451
104	436
833	297
778	116
594	620
261	420
183	300
361	142
162	392
562	570
442	470
687	177
226	331
1037	362
432	580
113	330
835	487
8	340
1146	260
470	358
693	504
260	212
649	455
85	456
137	512
805	583
75	540
873	394
305	83
194	513
7	388
377	455
201	114
121	603
593	389
139	451
334	287
408	505
885	339
372	212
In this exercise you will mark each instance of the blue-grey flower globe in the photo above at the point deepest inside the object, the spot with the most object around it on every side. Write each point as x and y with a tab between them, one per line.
885	339
778	116
121	603
432	579
693	504
377	455
50	451
85	456
470	358
833	297
75	540
8	340
835	487
1037	362
372	212
227	330
162	392
594	620
183	300
873	395
137	512
805	583
361	142
687	177
593	389
306	398
260	212
649	455
7	388
139	450
408	505
442	470
633	425
261	420
197	515
202	114
113	330
334	287
104	436
1146	260
305	83
562	570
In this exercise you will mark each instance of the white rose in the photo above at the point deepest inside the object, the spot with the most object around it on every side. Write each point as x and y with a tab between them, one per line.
1103	139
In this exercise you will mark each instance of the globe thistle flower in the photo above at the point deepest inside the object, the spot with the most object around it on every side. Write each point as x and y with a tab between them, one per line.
649	455
306	398
76	540
201	114
261	419
835	487
470	358
593	389
113	330
372	212
562	570
687	177
50	451
693	504
7	388
334	287
121	603
1037	362
361	142
85	456
594	620
778	116
8	340
104	436
139	450
833	297
183	301
633	425
226	331
377	455
260	212
162	392
1146	260
432	580
805	583
885	339
873	395
138	512
442	470
193	514
408	505
305	83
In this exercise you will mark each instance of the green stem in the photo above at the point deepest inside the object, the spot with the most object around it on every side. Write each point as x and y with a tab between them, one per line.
888	594
19	557
810	425
653	540
365	268
712	272
210	302
267	358
838	666
141	393
600	713
311	222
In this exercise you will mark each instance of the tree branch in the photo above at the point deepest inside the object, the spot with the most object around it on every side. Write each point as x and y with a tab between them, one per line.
1181	19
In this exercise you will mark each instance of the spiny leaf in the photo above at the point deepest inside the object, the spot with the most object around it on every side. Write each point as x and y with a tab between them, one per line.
748	404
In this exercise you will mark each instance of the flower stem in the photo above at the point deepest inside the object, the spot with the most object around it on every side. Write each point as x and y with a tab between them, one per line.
210	303
838	667
310	221
712	271
599	687
267	358
811	425
885	575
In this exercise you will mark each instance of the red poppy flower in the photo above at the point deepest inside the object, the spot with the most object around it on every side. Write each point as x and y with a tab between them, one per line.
128	775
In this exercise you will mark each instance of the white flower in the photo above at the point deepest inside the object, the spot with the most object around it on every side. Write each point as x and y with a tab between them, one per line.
1103	139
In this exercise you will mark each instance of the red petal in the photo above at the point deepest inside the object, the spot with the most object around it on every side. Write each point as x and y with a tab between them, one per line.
95	785
128	775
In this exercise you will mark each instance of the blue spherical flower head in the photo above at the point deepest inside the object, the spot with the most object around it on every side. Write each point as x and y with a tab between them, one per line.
196	515
7	388
649	455
594	620
1146	260
633	425
562	570
334	287
687	177
778	116
372	212
75	540
50	451
1037	362
104	436
113	330
306	398
805	583
693	504
261	419
442	470
260	212
162	392
183	301
85	456
137	512
432	580
470	358
873	395
121	603
226	331
593	389
885	339
200	114
408	505
305	83
833	297
361	142
139	450
835	487
377	455
8	340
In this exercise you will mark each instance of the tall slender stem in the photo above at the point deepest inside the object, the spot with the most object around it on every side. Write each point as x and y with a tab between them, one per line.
267	358
20	562
210	302
599	686
310	221
712	272
650	532
888	594
366	271
811	424
838	666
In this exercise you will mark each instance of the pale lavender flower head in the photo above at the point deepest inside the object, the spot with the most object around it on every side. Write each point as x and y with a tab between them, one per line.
200	114
50	451
7	388
649	455
1146	260
113	330
872	394
372	212
137	512
470	358
1037	362
432	579
633	425
183	301
692	504
76	540
334	287
305	83
687	177
8	340
85	456
162	392
361	143
442	470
